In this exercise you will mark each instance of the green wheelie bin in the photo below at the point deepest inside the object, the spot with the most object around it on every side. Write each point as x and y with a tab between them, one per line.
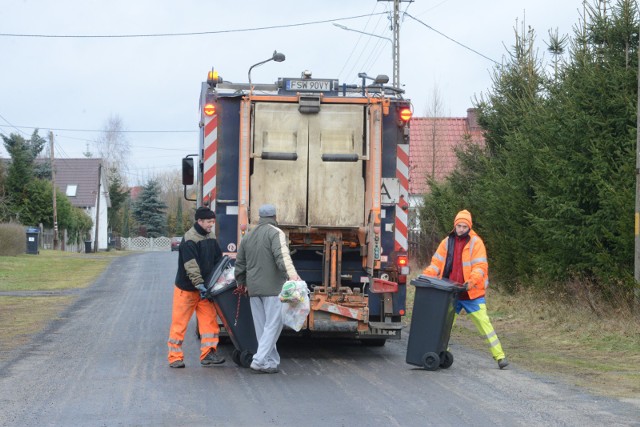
431	322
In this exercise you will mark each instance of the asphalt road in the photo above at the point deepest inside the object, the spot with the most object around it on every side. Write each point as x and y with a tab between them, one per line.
103	363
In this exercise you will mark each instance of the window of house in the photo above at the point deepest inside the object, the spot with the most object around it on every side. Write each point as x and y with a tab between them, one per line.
71	190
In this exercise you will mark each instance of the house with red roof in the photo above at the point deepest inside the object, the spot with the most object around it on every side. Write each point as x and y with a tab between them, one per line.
432	150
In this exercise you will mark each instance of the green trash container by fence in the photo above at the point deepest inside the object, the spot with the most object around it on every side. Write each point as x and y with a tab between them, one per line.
33	240
431	322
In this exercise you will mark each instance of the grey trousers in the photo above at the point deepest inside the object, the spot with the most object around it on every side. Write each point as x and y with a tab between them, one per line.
267	320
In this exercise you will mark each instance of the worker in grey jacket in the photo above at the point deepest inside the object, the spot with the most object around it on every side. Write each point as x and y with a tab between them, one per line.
263	265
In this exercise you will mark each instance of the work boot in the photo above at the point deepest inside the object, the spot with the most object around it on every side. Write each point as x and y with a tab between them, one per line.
177	364
212	359
503	363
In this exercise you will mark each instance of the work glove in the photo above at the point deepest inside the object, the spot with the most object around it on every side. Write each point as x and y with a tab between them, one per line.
202	289
465	286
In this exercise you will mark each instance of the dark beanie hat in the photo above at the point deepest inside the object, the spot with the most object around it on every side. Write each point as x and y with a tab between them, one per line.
204	213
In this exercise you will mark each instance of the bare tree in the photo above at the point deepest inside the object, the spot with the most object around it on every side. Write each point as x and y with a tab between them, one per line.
114	148
170	187
179	211
435	111
435	153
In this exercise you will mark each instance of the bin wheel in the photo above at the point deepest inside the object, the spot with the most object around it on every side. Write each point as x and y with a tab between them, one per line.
235	356
246	357
446	359
431	361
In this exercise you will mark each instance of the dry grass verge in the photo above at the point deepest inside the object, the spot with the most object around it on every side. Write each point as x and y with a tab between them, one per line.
23	316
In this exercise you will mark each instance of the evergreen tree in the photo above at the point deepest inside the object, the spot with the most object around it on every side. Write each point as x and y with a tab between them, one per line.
552	193
21	170
495	182
118	195
589	170
149	211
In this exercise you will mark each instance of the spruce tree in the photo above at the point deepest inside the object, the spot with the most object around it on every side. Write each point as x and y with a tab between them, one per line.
149	211
553	191
118	195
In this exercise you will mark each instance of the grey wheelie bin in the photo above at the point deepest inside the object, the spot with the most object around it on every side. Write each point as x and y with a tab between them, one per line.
431	322
235	312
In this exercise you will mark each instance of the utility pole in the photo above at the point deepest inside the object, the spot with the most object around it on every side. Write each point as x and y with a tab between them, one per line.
53	185
395	23
396	44
95	243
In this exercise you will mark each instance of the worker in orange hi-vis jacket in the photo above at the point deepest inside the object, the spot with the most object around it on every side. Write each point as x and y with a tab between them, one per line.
199	253
462	257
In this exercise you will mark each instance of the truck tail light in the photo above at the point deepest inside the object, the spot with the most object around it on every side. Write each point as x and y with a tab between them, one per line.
402	262
209	109
405	114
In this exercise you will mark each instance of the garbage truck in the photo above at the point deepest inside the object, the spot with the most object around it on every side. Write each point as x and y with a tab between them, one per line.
333	158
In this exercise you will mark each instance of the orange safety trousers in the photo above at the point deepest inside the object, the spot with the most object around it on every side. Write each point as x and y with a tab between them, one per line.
184	304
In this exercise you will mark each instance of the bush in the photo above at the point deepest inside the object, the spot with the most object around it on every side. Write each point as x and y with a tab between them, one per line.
13	240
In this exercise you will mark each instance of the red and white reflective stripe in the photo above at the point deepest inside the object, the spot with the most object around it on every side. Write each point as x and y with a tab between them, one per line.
210	160
402	211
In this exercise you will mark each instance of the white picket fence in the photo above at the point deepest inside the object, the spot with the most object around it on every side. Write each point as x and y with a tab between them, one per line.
146	243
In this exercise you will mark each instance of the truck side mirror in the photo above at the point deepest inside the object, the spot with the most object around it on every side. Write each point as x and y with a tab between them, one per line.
187	171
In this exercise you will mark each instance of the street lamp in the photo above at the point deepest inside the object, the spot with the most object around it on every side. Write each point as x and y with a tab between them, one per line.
277	56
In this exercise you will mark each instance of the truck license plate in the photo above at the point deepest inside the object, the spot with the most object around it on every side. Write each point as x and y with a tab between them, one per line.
309	85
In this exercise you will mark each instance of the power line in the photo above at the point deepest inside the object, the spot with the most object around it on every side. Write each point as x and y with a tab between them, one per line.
186	34
11	125
351	55
94	130
455	41
133	145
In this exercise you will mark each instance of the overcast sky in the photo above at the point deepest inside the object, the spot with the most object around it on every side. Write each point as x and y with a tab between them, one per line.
71	85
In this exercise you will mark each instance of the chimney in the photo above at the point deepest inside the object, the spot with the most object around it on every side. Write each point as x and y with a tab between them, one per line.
472	119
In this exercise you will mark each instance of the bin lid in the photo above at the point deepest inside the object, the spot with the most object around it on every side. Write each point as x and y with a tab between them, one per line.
33	230
433	282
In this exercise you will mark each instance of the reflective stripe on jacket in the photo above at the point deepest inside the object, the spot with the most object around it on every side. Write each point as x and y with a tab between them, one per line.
475	267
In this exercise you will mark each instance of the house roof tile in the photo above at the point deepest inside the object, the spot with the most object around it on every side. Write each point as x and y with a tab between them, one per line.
433	141
80	172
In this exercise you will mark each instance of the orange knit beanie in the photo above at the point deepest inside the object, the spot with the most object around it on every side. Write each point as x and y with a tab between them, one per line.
463	217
